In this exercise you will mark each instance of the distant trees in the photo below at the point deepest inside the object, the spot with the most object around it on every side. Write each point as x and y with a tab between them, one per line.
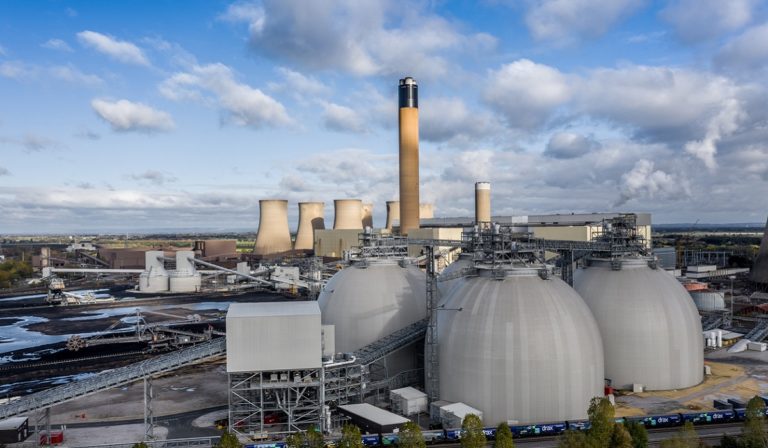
601	423
13	270
472	435
228	440
135	445
503	437
410	436
310	438
638	433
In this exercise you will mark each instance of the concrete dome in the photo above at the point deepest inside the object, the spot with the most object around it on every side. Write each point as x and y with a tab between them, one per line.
522	348
372	299
464	261
650	326
708	300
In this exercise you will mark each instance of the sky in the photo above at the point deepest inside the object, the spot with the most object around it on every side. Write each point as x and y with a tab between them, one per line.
130	116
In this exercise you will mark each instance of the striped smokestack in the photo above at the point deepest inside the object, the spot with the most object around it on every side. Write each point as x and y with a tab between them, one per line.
311	218
274	236
482	202
409	154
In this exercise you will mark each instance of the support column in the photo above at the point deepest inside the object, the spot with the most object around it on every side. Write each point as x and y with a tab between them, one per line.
149	418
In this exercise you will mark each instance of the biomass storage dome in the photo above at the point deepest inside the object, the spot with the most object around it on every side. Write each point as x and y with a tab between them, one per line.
446	281
519	347
708	300
372	299
650	326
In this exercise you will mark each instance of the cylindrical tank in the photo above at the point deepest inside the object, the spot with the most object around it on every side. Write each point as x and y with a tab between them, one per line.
393	213
155	277
347	214
311	218
482	202
448	278
274	236
426	211
650	326
409	154
371	299
519	347
367	215
185	277
708	300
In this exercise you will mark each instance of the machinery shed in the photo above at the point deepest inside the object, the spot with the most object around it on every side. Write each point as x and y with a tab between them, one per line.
372	420
14	430
273	336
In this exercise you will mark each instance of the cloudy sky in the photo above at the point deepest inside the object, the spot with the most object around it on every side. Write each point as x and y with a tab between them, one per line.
128	116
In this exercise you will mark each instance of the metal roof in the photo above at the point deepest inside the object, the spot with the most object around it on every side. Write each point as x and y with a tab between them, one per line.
238	310
374	414
409	393
12	423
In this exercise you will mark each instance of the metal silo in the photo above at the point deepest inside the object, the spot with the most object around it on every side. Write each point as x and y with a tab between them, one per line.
519	344
650	326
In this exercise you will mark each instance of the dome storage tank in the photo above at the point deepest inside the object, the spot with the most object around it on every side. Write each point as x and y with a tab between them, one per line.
649	324
371	299
448	278
519	344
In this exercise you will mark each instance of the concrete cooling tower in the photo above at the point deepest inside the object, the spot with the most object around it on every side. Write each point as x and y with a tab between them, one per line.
347	214
519	347
426	211
482	202
155	277
274	236
311	218
393	213
367	215
650	326
372	299
409	154
760	268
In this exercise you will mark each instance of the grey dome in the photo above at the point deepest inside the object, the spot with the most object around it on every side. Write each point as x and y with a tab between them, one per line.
465	261
372	299
522	348
650	326
708	300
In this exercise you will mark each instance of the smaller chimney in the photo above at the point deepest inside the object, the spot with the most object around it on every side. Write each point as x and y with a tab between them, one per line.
482	202
347	214
393	213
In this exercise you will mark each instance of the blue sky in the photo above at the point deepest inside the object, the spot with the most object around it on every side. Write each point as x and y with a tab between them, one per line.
128	116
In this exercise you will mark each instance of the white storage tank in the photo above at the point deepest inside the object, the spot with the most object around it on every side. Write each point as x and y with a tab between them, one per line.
708	300
155	277
185	278
371	299
519	344
650	326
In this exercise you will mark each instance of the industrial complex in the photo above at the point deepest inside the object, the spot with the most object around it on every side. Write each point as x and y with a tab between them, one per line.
521	320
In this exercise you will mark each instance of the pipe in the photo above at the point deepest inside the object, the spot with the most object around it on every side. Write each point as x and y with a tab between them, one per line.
250	277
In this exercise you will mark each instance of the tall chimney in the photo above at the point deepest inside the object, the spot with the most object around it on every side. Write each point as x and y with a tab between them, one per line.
274	236
482	202
311	218
347	214
759	272
393	213
367	215
426	211
409	155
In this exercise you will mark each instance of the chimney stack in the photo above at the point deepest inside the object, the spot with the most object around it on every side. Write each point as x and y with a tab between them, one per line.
311	218
759	272
347	214
367	215
393	213
482	202
274	236
409	154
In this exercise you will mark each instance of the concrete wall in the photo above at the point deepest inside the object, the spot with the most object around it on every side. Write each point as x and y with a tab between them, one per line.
333	242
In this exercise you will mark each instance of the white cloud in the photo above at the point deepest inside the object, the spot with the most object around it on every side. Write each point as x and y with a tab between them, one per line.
71	74
724	123
645	181
564	21
526	93
448	118
57	44
31	142
748	50
240	103
569	145
342	119
362	38
696	20
119	50
4	171
299	85
15	70
125	116
154	177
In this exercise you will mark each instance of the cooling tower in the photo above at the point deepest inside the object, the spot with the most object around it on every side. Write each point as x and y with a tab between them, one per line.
367	215
155	277
311	218
426	211
519	347
760	268
482	202
409	155
393	213
650	327
274	236
347	214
